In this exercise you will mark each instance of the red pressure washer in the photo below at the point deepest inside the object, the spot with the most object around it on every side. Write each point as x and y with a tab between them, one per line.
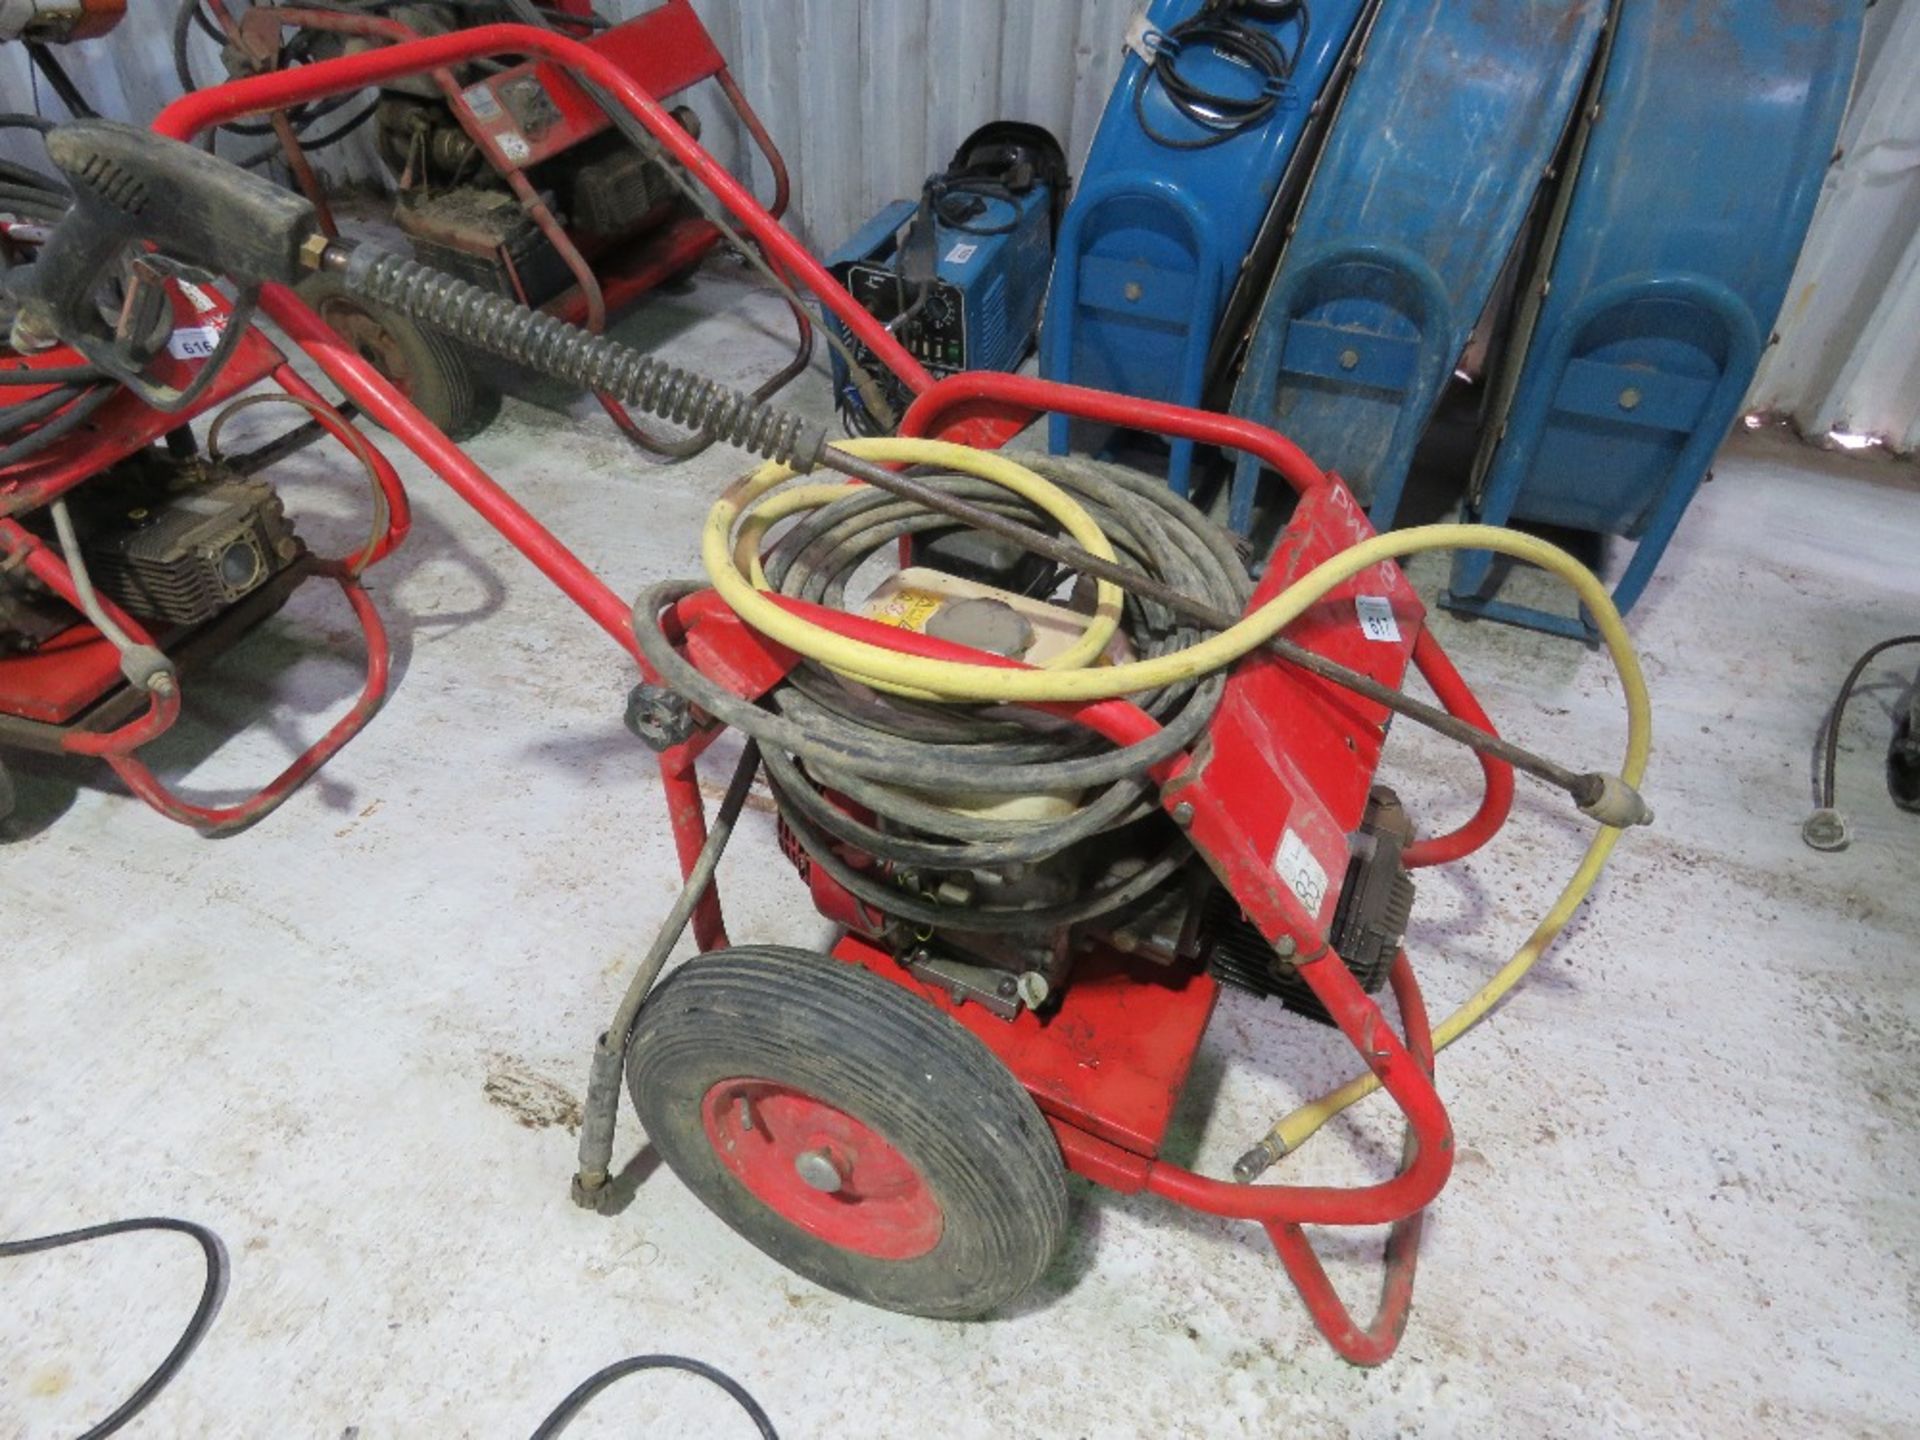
509	176
882	1119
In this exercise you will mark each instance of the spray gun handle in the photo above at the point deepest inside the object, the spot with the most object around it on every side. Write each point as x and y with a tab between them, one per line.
132	185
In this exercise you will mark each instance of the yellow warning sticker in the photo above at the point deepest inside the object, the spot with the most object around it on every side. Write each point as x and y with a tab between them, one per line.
906	610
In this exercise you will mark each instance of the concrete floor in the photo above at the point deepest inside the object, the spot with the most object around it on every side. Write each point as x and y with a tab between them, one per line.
351	1039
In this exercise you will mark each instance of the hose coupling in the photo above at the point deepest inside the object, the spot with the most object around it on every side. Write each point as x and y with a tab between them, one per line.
1826	829
1255	1163
1612	801
592	1188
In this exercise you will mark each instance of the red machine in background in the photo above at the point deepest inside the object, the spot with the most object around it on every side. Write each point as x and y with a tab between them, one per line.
68	428
511	176
128	553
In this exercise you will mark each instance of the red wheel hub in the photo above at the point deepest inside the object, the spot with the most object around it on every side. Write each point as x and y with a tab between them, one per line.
816	1165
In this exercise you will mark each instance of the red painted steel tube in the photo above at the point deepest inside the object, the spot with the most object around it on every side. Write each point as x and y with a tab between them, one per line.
374	394
1401	1075
1497	798
399	507
257	94
1379	1339
21	546
117	746
224	819
934	409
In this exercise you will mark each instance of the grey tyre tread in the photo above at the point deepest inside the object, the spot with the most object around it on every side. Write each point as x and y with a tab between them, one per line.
931	1089
446	387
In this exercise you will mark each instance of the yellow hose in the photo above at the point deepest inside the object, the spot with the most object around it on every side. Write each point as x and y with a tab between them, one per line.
735	574
723	553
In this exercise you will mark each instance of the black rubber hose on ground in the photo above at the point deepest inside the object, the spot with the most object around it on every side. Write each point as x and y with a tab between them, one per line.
1830	761
197	1326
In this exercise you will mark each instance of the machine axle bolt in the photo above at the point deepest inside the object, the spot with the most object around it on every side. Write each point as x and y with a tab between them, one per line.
819	1169
1183	814
1349	359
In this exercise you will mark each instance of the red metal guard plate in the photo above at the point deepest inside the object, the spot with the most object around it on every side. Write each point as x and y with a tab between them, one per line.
1111	1060
1291	755
666	50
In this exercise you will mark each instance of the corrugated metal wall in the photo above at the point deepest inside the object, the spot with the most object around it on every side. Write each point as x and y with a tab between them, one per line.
867	96
864	97
1849	353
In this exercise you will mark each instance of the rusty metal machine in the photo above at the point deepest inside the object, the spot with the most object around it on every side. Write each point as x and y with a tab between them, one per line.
511	176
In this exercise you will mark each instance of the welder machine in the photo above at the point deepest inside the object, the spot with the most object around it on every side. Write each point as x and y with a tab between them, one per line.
1049	818
957	276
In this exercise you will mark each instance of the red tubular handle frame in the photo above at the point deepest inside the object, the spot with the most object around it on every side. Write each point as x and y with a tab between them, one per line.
186	117
190	115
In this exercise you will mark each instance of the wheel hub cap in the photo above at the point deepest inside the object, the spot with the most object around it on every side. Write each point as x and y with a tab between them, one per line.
822	1169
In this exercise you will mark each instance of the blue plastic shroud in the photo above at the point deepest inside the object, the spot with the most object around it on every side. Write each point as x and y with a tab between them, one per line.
1153	241
1690	201
1423	188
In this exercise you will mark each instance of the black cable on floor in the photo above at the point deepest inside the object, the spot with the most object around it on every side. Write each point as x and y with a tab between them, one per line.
1831	761
215	1287
570	1407
197	1327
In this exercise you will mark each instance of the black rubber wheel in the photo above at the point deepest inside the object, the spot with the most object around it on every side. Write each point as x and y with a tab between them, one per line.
1903	761
8	797
432	371
849	1130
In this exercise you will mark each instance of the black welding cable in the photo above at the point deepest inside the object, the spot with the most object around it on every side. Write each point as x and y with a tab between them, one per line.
30	179
25	205
51	375
214	1289
570	1407
1218	27
270	452
56	75
1831	759
197	1327
32	412
302	117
